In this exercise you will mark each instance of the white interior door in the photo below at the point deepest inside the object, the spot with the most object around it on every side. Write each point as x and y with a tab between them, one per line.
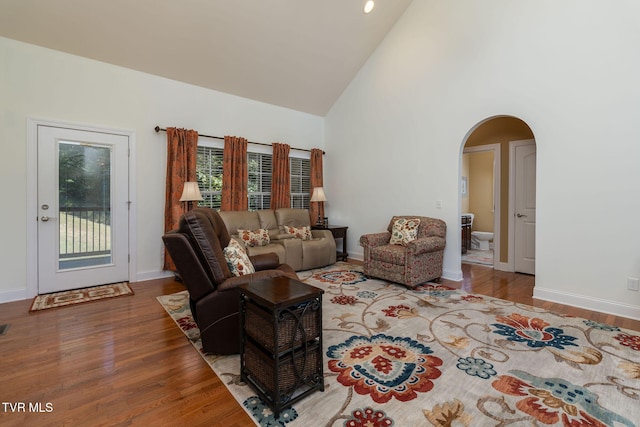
525	207
83	219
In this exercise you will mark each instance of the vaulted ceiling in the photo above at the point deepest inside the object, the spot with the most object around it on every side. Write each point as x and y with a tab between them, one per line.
298	54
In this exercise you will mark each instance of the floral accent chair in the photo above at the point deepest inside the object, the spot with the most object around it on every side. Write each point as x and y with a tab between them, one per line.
411	260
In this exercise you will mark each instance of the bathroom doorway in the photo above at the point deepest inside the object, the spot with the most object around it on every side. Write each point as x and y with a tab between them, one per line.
480	196
494	134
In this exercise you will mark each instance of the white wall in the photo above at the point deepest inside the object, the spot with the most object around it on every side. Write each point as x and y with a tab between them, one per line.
569	69
45	84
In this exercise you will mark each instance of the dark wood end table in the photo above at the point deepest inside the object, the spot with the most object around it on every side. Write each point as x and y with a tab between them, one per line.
338	232
281	340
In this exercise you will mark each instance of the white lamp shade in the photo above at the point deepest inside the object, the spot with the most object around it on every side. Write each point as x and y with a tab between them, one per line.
190	192
318	195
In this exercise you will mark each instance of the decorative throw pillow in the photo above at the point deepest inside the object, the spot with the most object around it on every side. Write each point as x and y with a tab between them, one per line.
404	230
237	259
303	233
259	237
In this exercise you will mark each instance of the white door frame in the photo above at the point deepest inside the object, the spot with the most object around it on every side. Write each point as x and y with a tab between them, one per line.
512	197
32	194
496	197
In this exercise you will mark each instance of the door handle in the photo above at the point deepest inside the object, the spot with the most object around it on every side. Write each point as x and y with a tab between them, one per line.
521	215
45	218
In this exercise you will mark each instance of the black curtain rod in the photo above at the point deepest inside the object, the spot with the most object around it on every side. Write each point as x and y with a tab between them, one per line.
159	129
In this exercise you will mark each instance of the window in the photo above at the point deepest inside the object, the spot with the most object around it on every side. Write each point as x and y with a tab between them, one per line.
209	173
300	170
259	186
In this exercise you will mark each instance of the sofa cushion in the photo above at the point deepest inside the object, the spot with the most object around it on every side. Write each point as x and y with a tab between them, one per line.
392	254
303	233
237	259
276	248
267	218
432	227
240	220
292	217
259	237
404	230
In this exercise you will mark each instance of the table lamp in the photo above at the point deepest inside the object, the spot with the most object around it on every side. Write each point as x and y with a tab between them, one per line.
318	196
190	194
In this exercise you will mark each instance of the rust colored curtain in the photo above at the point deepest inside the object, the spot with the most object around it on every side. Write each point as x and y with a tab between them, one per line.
234	175
316	208
182	147
280	177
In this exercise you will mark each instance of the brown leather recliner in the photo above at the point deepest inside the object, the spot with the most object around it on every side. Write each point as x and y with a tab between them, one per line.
196	249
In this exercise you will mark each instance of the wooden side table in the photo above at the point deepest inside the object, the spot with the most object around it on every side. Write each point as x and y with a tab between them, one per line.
339	232
281	340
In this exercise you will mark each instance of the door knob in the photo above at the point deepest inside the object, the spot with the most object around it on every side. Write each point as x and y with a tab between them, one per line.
520	215
44	218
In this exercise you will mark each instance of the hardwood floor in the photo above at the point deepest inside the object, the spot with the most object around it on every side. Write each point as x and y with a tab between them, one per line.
124	362
121	361
519	288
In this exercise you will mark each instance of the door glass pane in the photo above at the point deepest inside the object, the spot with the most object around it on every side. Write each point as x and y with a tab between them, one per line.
84	189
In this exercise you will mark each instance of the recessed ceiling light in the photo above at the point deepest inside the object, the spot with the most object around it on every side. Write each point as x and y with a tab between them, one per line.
368	6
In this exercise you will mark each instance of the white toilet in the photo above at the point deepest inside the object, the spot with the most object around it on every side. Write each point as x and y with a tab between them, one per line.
480	240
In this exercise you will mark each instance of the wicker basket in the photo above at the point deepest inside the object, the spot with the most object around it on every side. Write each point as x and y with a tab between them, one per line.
297	369
259	325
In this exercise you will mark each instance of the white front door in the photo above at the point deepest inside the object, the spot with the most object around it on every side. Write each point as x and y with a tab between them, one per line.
83	218
525	207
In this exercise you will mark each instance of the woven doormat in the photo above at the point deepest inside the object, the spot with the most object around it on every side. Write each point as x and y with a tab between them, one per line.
77	296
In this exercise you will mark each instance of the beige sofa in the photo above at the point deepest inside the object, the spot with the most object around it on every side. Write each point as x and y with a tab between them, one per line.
299	254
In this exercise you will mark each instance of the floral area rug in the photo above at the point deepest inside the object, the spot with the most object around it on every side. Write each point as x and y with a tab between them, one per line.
435	356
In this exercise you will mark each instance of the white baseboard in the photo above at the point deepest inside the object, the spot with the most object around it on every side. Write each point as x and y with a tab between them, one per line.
503	266
593	304
152	275
358	255
21	294
13	295
454	275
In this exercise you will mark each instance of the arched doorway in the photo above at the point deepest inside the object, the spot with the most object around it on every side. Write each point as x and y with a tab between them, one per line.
490	190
